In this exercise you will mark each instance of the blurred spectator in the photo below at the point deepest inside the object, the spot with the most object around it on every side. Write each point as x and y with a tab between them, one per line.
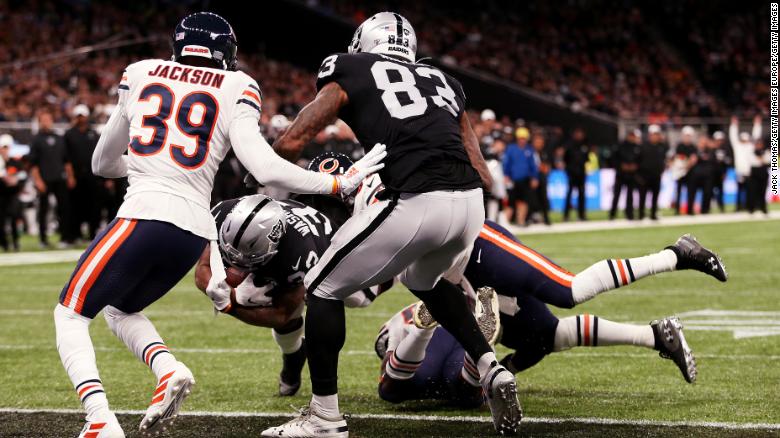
723	159
744	150
575	158
626	165
681	165
52	174
759	178
10	184
544	160
703	168
521	172
652	162
80	142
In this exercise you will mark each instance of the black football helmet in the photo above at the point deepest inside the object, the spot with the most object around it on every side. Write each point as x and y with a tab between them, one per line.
206	35
334	163
336	208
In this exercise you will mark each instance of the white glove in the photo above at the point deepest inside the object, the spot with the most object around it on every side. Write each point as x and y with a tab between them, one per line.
370	163
218	289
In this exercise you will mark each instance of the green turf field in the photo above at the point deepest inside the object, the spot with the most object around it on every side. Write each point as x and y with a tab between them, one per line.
236	365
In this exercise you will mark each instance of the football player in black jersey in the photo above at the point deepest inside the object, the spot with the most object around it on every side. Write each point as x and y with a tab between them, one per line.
267	248
433	209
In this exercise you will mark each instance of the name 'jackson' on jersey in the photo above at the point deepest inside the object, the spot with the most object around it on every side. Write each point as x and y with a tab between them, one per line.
415	110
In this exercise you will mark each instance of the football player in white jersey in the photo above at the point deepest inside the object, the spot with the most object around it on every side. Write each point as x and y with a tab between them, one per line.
176	120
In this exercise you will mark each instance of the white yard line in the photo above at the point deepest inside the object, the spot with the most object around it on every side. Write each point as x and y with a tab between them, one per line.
72	255
623	224
40	257
456	419
649	355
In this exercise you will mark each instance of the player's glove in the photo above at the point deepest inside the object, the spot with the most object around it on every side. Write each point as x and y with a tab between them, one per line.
370	163
218	289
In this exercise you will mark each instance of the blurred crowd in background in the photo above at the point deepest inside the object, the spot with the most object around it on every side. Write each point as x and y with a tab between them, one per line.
659	62
521	158
623	58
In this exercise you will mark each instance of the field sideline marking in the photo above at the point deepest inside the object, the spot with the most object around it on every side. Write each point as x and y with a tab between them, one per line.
649	355
456	419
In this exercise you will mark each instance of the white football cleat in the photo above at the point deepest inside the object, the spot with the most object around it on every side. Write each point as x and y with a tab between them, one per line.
168	397
310	425
103	426
501	390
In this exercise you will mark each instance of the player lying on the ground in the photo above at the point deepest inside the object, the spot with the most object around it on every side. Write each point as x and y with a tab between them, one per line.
267	248
174	123
526	281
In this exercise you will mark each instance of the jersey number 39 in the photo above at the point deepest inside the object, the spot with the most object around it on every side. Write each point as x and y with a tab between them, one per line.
200	131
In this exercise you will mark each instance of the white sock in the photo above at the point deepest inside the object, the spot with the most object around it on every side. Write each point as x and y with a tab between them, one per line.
592	331
409	354
78	358
140	336
469	372
486	363
613	273
326	406
289	342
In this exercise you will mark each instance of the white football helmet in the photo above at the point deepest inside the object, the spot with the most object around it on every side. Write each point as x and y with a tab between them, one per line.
387	33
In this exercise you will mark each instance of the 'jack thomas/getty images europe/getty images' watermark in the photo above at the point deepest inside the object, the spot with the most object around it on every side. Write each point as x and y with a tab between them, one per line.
774	93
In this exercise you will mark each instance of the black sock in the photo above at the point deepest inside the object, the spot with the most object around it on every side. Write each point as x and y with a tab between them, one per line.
325	333
448	306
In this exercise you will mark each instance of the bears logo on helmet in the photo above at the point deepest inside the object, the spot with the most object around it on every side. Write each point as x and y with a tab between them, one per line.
331	162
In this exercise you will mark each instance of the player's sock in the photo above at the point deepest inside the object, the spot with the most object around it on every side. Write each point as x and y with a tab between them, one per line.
486	362
290	338
409	354
470	372
592	331
325	334
140	336
326	406
614	273
78	358
448	306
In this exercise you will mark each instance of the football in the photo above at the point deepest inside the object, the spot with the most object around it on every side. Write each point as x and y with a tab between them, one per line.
235	276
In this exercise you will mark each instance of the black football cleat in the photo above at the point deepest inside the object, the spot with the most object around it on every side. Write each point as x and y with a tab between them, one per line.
670	343
692	255
290	377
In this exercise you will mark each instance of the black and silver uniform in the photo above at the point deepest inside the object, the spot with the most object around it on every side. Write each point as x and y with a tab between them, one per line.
307	237
414	109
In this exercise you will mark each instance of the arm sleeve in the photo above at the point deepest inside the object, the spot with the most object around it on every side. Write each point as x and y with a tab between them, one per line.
733	134
109	160
259	158
534	168
756	131
507	162
32	157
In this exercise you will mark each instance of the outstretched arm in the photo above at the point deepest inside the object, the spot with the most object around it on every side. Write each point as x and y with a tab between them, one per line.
475	155
313	118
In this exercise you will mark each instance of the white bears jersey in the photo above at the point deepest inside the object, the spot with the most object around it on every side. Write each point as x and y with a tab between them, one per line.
179	122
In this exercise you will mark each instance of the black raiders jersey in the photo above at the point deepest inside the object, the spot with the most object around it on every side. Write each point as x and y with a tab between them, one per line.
300	248
414	109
